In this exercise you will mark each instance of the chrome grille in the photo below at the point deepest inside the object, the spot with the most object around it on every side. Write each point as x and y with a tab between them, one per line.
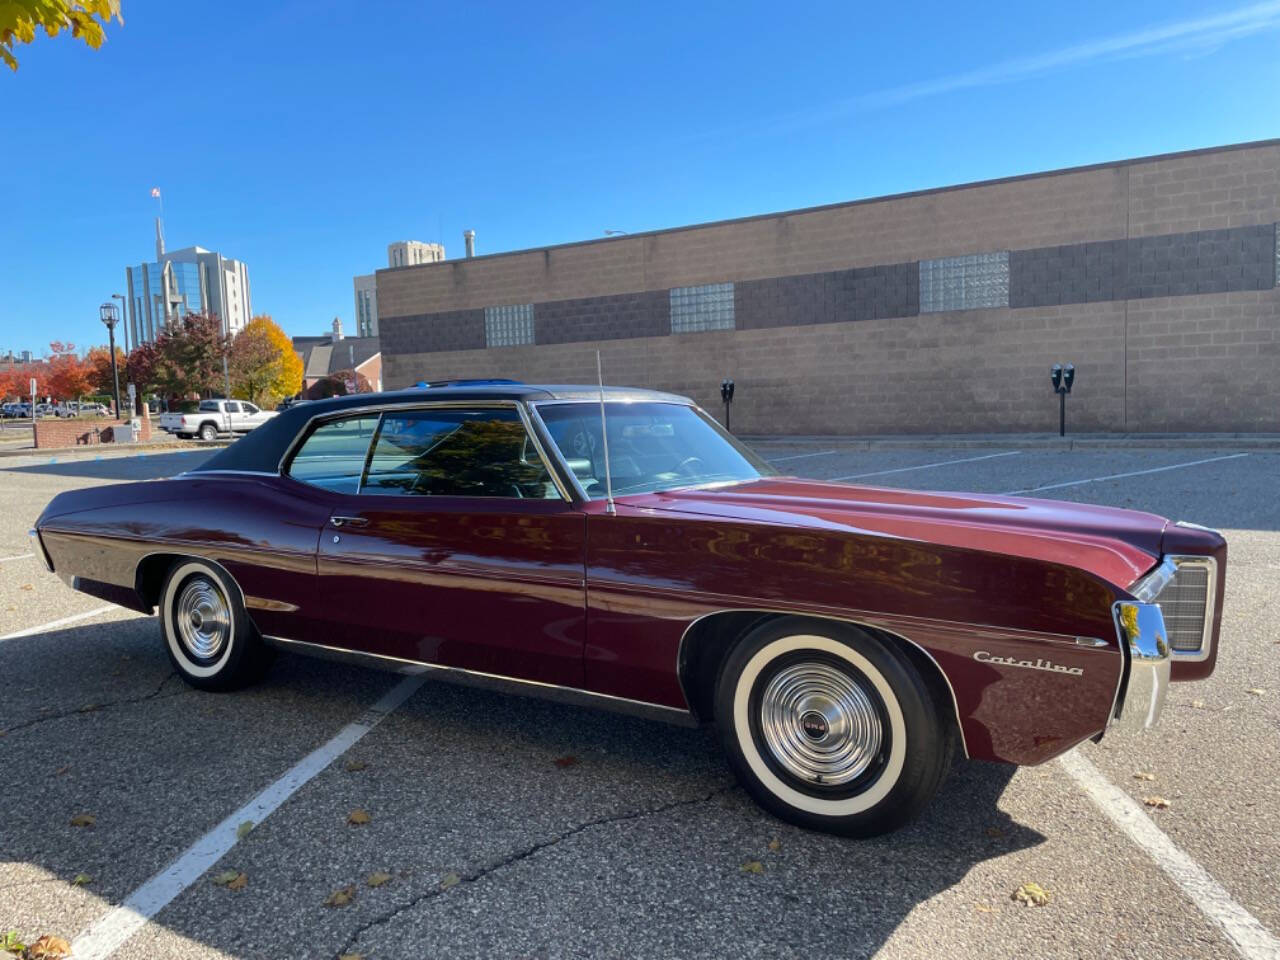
1186	603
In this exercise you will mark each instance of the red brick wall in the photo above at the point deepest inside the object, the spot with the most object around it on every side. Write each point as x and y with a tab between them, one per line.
54	432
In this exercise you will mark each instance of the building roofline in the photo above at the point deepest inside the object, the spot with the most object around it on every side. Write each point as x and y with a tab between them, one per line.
969	185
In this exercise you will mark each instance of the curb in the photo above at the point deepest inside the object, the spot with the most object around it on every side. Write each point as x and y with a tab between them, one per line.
1010	441
101	448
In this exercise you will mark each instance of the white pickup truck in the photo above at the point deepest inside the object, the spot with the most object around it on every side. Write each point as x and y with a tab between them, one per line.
214	418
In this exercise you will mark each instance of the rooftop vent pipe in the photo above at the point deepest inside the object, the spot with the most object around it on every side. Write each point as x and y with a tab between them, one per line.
469	238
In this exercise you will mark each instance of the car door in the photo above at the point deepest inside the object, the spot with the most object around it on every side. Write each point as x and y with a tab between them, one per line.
457	547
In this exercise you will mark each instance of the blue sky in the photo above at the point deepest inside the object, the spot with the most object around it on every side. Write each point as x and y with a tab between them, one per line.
303	137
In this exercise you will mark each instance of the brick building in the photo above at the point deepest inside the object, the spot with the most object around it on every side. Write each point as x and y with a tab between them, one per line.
937	311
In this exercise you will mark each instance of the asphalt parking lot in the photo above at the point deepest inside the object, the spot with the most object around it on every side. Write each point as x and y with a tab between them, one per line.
507	827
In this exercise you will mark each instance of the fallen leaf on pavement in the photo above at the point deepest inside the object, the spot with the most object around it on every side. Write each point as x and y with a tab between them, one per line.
994	832
753	866
355	766
82	879
28	586
340	898
1256	691
1198	704
358	818
775	845
983	908
1031	895
49	947
449	880
568	761
88	708
1143	775
378	879
226	877
83	820
60	771
351	956
11	943
239	883
1160	803
244	829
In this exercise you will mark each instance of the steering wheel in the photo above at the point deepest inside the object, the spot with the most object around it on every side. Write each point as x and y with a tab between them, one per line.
686	462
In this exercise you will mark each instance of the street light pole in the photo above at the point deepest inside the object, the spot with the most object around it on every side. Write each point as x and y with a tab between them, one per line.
124	317
110	318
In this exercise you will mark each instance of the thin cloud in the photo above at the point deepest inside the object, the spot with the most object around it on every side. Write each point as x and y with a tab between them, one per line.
1186	35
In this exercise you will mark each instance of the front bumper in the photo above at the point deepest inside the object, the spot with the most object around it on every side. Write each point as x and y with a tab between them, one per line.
37	547
1144	641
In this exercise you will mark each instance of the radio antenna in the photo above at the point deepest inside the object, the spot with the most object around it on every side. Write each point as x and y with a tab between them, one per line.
609	508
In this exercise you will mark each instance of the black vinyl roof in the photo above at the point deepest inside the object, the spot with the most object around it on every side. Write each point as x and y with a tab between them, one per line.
260	451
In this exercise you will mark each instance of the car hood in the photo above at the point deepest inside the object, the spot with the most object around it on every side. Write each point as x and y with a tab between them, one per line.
1117	545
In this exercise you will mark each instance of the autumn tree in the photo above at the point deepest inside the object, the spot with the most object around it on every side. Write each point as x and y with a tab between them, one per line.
99	361
264	366
339	384
68	376
15	383
140	368
86	19
189	355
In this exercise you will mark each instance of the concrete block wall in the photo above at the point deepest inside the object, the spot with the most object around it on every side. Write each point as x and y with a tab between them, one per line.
1156	277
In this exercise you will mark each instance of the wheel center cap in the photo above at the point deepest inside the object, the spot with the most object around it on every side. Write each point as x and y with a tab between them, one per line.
197	619
814	725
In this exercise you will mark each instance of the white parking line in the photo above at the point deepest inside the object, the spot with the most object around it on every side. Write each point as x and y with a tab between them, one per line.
1249	937
54	624
107	934
1120	476
21	556
800	456
926	466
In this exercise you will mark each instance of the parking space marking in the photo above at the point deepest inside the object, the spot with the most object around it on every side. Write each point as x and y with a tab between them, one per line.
21	556
108	933
1121	476
54	624
926	466
1249	937
801	456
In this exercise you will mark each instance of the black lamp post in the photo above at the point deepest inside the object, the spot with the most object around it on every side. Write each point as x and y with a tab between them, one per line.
726	394
110	317
1062	378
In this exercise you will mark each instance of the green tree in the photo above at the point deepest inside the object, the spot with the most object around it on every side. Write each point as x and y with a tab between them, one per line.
86	19
188	356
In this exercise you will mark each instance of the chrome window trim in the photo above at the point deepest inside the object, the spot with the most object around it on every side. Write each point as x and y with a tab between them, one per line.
383	409
496	681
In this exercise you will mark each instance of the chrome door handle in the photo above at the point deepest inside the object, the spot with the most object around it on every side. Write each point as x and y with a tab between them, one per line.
349	521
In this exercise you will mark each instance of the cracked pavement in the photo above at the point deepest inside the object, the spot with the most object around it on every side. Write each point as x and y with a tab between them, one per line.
636	848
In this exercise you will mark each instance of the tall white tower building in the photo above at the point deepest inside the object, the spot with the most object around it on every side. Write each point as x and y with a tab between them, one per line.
190	280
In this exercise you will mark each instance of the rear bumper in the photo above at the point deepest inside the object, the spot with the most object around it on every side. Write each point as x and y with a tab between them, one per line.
1145	680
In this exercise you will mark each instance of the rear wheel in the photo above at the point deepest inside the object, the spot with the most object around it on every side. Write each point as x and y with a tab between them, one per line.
207	633
208	431
828	728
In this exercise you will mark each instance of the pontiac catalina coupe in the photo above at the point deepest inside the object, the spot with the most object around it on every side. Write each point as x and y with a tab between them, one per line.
844	640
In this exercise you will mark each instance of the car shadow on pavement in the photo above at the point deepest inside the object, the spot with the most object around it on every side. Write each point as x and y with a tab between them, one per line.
562	824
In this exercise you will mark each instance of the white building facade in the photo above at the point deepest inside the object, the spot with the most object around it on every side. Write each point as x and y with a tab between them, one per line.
410	253
190	280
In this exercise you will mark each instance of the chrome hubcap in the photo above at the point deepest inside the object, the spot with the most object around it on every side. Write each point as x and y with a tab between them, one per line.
819	724
203	619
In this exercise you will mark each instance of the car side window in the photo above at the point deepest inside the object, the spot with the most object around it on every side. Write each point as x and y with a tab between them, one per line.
250	408
333	456
233	407
456	453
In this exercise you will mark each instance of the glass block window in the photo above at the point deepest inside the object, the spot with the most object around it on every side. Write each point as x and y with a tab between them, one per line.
508	326
696	309
970	282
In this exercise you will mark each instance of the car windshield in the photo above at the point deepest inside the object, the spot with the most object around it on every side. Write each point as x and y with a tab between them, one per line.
652	446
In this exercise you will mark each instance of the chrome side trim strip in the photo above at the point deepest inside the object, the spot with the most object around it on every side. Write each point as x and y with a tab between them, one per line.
262	603
955	704
493	681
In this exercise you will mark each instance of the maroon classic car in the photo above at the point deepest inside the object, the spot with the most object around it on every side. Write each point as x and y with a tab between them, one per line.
845	640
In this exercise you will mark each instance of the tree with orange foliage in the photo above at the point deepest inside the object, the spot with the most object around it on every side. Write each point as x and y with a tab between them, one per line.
69	377
98	360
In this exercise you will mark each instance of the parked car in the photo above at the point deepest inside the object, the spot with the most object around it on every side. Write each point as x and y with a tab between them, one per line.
843	639
213	418
73	408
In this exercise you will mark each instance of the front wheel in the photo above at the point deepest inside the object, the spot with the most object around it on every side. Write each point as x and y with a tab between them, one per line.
828	728
209	637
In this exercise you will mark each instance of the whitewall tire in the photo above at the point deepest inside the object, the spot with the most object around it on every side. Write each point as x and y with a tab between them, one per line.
207	634
829	728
